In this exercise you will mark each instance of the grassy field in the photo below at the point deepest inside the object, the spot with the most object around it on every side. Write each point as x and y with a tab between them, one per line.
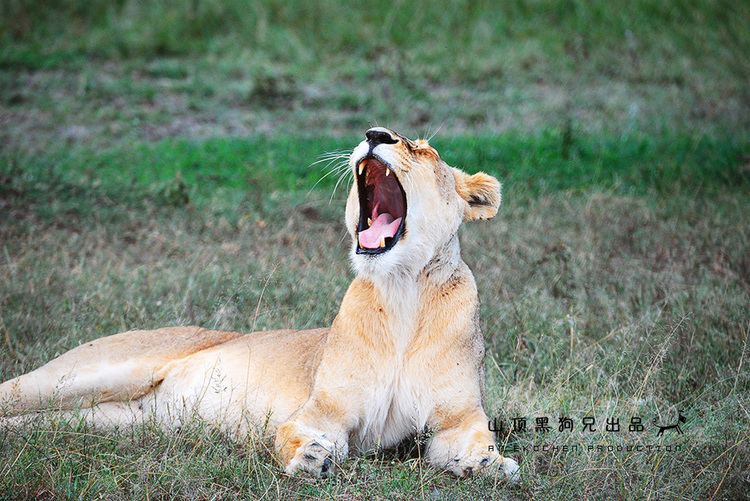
158	167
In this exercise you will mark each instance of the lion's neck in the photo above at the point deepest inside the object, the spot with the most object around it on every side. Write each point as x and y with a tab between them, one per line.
402	294
443	264
437	271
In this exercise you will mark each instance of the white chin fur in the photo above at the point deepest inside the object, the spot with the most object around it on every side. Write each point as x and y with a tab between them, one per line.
374	266
406	259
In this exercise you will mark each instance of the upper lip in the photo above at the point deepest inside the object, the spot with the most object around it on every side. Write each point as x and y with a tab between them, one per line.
381	199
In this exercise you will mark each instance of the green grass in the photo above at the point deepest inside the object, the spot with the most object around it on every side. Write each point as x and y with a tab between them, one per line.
645	34
231	171
158	168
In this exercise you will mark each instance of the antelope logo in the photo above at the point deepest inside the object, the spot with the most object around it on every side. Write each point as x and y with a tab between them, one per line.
675	426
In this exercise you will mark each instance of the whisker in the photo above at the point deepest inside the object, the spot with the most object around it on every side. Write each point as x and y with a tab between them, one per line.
345	173
320	180
346	234
435	133
336	161
331	155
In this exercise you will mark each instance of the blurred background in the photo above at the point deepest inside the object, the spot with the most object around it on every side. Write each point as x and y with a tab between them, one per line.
107	70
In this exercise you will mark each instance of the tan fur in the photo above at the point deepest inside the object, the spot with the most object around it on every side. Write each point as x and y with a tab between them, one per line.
404	353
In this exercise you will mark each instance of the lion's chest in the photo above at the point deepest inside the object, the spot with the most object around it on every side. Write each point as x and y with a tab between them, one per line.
402	362
399	408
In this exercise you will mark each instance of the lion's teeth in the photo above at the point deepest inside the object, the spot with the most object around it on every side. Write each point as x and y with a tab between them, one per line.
369	222
387	172
382	242
361	167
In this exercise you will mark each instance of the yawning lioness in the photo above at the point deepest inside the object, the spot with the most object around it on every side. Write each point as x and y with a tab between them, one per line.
404	353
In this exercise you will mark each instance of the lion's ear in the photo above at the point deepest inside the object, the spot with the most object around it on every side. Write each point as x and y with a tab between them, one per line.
481	191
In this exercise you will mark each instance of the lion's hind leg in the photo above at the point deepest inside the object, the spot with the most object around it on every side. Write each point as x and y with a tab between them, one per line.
73	383
119	368
103	416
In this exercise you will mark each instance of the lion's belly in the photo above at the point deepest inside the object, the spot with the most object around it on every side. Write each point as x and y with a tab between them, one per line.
246	386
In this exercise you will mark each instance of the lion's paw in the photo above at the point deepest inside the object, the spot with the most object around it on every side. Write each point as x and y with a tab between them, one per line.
486	464
315	458
510	468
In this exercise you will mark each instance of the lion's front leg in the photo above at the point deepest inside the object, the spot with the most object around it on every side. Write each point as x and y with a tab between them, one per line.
308	450
315	439
465	446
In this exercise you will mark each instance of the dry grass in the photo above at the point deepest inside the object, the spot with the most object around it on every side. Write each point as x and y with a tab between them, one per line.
594	304
613	307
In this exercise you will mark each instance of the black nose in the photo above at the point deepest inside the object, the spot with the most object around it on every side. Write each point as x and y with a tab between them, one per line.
376	137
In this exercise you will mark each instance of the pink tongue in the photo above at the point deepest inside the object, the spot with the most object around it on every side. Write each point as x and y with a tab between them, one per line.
383	227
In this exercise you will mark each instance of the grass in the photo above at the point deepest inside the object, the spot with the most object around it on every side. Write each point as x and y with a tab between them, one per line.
179	171
602	298
157	169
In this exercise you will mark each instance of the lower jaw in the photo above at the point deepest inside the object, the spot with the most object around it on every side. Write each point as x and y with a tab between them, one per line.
373	252
390	243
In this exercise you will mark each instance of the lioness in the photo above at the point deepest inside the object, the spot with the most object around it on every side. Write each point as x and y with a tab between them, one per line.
404	353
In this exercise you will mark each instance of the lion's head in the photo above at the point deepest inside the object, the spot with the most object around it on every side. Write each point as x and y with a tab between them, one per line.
406	203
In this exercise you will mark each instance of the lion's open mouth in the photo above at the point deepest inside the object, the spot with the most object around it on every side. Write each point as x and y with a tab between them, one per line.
382	207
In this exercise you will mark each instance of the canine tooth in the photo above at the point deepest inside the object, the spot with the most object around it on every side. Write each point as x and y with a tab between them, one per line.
369	222
382	242
361	167
387	172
